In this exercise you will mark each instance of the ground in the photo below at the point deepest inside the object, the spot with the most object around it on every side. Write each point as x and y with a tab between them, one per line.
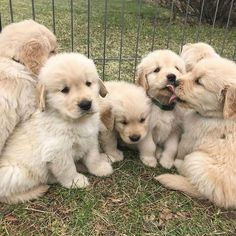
129	202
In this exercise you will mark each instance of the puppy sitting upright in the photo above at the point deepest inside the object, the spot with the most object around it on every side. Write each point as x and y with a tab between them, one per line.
131	110
44	148
24	48
157	74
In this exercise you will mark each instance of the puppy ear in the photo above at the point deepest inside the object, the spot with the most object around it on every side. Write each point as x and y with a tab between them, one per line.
229	110
102	88
33	54
108	118
41	97
141	78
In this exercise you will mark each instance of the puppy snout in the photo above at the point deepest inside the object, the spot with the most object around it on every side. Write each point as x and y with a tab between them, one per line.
176	83
171	78
134	138
85	104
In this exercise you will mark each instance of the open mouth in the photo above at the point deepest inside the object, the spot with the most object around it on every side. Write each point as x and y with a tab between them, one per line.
173	97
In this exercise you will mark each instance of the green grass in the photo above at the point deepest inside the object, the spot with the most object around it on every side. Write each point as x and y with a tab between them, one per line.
129	202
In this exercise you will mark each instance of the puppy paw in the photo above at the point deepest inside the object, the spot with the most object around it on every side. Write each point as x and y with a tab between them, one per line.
79	181
103	168
115	156
166	162
149	161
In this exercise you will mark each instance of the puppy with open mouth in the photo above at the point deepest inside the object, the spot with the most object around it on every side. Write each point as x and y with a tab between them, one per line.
44	148
130	115
206	158
157	74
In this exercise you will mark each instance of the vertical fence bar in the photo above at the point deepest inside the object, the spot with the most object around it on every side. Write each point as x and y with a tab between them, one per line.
72	25
169	24
200	21
137	38
121	34
33	9
88	31
104	41
154	28
214	20
234	54
185	22
0	23
226	28
53	17
11	10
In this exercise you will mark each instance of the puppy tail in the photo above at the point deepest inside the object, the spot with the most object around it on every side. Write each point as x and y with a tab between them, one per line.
33	193
180	183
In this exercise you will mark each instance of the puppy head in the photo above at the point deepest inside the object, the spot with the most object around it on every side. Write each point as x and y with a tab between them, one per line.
158	72
69	84
194	52
29	43
131	109
209	88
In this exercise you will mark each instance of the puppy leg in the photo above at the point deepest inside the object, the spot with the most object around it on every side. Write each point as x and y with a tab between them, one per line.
96	164
147	150
170	150
64	170
109	146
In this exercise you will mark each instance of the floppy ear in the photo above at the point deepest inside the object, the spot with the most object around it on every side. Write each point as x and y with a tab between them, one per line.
229	110
108	118
33	54
41	97
141	78
102	89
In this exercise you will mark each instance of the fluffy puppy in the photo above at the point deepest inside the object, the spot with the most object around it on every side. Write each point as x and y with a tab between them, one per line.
44	148
131	110
157	74
24	47
195	52
206	156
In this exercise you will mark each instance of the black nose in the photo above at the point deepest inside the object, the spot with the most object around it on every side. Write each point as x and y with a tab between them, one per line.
134	138
85	104
171	78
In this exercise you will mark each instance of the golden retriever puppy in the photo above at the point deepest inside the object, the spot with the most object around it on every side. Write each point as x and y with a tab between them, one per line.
194	52
24	47
157	73
206	157
44	148
131	112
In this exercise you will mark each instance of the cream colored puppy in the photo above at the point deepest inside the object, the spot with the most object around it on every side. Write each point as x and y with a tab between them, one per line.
157	73
195	52
44	148
206	158
24	47
131	110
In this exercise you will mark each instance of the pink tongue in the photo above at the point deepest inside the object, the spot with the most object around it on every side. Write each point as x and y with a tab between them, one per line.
172	90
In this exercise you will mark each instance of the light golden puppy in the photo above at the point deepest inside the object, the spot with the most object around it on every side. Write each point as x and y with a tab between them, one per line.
24	47
44	148
131	111
195	52
157	73
206	157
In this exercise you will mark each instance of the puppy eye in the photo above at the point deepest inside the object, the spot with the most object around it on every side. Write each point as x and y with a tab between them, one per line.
124	122
157	70
88	83
197	81
142	120
65	90
53	52
177	68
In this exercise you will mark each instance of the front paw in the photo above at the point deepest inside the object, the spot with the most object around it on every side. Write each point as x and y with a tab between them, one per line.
166	162
115	156
149	161
103	168
79	181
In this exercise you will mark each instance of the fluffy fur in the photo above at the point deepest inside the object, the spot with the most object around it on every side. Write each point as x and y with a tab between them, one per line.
30	44
153	73
206	157
195	52
131	110
44	149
